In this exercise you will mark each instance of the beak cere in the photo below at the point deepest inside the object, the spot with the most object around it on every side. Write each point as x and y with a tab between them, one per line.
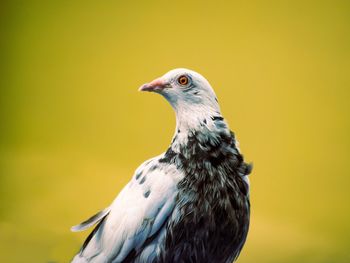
154	86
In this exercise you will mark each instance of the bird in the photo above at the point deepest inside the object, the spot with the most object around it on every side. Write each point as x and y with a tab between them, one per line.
189	204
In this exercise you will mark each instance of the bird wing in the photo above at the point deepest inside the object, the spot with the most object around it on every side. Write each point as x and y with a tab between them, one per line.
91	221
138	213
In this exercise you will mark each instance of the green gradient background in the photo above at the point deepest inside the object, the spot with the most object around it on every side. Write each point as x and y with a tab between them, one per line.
74	127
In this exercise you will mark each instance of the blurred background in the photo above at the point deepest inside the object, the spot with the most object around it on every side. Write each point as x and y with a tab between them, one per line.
74	128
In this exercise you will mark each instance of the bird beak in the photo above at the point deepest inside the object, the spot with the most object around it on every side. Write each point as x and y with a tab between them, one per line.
154	86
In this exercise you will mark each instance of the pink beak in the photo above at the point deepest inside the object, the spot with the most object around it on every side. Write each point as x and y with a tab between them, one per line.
155	85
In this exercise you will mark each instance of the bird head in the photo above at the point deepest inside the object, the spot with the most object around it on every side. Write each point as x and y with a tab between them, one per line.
188	92
195	104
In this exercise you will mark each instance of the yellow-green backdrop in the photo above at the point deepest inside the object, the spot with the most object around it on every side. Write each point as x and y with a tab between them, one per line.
74	127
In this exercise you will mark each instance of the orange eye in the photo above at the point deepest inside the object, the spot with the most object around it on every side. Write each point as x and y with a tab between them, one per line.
183	80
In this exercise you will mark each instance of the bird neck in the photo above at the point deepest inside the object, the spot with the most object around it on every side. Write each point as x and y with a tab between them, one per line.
193	117
205	125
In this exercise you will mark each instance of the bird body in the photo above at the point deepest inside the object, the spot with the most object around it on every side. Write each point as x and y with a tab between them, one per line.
189	204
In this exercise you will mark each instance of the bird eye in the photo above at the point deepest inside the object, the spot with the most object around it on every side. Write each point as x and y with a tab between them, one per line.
183	80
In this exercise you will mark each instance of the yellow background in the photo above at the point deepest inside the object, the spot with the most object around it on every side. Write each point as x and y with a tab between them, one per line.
74	127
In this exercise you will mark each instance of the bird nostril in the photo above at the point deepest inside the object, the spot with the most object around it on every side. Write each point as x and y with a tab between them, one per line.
167	86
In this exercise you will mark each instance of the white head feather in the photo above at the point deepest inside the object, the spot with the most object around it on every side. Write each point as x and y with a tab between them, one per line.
189	93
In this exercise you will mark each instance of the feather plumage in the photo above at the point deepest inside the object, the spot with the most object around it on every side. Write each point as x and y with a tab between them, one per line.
191	203
91	221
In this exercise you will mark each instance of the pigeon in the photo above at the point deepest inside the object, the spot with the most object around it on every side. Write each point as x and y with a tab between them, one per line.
189	204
